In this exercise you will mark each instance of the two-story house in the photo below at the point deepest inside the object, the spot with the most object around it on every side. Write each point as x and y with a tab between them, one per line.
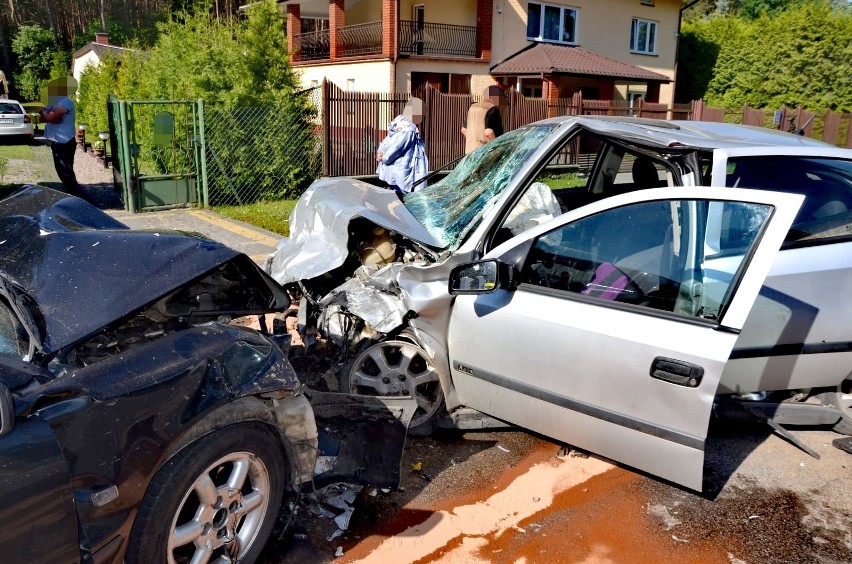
607	49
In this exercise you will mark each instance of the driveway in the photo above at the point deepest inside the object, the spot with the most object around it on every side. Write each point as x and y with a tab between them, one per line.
96	182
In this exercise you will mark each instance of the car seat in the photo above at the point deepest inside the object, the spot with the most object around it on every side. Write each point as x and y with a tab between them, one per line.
645	174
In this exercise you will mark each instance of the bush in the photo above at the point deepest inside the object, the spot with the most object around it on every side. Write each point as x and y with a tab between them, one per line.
36	50
259	126
800	56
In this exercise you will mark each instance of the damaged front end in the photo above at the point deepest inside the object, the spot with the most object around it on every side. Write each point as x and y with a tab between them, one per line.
371	273
122	367
354	294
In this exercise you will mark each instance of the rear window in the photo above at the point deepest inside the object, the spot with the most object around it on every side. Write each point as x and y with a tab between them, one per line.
8	108
826	184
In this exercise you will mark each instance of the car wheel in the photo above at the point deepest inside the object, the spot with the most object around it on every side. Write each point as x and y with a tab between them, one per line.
216	500
398	367
841	399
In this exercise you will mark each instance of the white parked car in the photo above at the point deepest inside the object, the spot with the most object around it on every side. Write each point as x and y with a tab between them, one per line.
14	121
572	277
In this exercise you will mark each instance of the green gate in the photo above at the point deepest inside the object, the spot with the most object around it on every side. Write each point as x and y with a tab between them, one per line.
158	153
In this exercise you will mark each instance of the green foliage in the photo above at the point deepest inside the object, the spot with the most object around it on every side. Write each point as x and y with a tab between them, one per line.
118	33
60	64
241	69
96	84
35	48
801	56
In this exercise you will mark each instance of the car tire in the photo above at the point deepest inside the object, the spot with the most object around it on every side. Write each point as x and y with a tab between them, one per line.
841	400
226	486
387	368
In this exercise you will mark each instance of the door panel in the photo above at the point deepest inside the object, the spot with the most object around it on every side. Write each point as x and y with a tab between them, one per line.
36	502
589	350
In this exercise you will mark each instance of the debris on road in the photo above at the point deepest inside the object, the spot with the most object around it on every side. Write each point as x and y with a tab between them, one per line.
501	447
335	502
844	444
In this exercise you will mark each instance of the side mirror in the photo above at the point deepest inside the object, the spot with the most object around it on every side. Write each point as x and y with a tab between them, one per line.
7	410
481	277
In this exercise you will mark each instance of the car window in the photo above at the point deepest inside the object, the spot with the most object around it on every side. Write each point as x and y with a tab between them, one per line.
825	183
9	108
14	341
453	207
586	168
680	256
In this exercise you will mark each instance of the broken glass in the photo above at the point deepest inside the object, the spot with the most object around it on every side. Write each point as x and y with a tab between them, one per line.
453	207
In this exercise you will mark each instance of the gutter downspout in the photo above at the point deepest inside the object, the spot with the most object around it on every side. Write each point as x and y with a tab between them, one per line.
395	57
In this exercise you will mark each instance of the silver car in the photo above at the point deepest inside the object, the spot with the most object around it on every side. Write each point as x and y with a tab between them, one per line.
14	121
572	277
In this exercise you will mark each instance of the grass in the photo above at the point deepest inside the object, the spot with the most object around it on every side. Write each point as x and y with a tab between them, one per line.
7	153
15	152
272	216
567	180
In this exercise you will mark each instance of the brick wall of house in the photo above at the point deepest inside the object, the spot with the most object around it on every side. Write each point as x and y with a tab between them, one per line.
336	20
389	28
294	28
484	19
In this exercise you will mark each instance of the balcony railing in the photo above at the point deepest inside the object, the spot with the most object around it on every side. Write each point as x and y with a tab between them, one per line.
313	46
425	38
415	38
360	39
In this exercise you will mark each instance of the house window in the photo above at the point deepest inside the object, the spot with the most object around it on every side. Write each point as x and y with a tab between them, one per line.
643	36
531	87
311	25
551	23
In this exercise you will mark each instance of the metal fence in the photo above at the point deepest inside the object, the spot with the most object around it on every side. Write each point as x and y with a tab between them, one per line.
213	155
262	153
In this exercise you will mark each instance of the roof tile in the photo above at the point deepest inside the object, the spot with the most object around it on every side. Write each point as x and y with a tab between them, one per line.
548	58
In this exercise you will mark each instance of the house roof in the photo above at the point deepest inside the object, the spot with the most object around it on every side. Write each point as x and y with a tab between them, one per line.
99	49
548	58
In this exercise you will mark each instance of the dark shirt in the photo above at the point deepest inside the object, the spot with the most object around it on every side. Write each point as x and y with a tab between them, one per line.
494	121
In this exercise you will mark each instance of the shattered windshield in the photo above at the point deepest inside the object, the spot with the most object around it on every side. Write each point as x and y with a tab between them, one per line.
453	207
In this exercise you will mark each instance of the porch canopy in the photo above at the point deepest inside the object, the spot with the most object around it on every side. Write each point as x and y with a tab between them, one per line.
555	63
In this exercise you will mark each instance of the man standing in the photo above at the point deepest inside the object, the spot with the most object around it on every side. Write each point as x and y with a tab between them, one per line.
59	115
484	119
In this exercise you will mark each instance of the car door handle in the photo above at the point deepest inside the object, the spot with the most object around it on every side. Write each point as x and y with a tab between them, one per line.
676	372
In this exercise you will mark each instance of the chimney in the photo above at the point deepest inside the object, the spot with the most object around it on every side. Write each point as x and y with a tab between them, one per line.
102	38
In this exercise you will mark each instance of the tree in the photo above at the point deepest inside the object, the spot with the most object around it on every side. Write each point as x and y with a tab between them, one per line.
35	48
801	56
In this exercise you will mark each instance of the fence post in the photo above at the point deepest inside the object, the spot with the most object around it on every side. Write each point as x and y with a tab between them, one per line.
202	145
326	125
831	127
849	133
126	171
695	114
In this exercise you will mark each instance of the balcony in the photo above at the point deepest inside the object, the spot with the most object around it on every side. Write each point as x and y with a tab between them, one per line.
415	38
424	38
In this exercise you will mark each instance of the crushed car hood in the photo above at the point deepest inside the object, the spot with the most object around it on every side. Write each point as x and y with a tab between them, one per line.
320	221
84	269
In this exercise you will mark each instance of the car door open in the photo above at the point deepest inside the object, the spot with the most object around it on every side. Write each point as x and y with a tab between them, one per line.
608	327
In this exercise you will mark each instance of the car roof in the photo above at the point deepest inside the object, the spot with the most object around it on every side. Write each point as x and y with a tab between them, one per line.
693	134
84	269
